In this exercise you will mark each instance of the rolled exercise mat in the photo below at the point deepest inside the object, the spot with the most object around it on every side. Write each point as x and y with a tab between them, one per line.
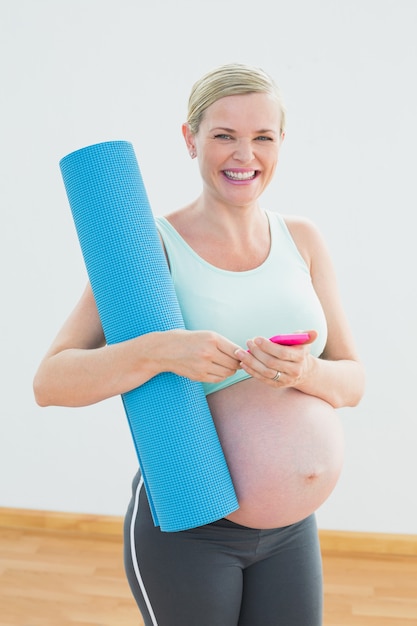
185	473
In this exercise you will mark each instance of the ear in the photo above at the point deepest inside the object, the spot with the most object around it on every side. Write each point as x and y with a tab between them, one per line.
189	138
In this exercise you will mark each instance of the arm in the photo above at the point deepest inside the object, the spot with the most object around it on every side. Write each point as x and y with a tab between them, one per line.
80	369
338	375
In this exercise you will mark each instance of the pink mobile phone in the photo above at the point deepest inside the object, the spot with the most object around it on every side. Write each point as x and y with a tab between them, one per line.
290	340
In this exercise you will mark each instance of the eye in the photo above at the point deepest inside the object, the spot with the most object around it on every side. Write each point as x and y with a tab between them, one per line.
264	138
222	136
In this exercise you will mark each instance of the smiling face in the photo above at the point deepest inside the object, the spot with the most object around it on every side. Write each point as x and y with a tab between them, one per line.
237	145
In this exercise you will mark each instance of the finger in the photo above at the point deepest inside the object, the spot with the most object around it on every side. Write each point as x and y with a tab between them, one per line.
227	347
228	368
218	372
268	353
313	336
265	374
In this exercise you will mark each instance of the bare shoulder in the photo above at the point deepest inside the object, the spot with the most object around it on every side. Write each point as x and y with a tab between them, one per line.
306	235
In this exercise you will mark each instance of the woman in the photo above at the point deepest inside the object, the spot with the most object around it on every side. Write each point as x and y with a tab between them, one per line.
241	274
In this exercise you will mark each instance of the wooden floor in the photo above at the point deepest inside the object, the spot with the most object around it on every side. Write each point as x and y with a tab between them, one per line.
65	578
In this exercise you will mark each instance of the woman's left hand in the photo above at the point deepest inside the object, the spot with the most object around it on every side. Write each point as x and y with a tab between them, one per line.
275	364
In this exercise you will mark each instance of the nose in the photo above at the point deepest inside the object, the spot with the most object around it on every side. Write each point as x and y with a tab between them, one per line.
243	151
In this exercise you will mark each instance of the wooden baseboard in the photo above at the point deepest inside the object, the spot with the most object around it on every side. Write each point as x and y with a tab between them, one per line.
54	521
332	541
356	543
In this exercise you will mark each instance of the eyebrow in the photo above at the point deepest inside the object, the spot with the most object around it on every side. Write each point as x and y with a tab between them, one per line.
232	130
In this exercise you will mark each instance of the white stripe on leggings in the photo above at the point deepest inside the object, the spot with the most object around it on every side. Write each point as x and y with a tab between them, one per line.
134	557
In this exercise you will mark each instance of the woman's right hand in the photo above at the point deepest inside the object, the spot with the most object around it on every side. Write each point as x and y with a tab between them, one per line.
200	355
80	369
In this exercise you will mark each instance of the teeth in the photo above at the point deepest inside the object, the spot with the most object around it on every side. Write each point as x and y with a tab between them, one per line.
240	175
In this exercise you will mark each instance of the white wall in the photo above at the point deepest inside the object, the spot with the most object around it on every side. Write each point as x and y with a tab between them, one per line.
76	72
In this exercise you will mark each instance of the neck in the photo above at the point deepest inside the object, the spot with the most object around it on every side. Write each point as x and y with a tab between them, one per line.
229	222
236	239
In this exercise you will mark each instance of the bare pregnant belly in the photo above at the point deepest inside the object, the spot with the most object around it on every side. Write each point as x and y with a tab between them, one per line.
284	451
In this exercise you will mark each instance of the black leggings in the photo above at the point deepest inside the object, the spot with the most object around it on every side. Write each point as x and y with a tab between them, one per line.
222	574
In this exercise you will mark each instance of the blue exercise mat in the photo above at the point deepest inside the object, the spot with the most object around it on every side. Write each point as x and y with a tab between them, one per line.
185	473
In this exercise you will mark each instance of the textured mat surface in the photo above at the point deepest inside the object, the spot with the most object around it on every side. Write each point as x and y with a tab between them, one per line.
184	469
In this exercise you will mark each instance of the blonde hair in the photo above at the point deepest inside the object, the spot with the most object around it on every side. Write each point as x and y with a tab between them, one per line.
229	80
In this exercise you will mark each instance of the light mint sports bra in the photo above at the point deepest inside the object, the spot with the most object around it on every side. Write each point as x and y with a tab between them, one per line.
274	298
